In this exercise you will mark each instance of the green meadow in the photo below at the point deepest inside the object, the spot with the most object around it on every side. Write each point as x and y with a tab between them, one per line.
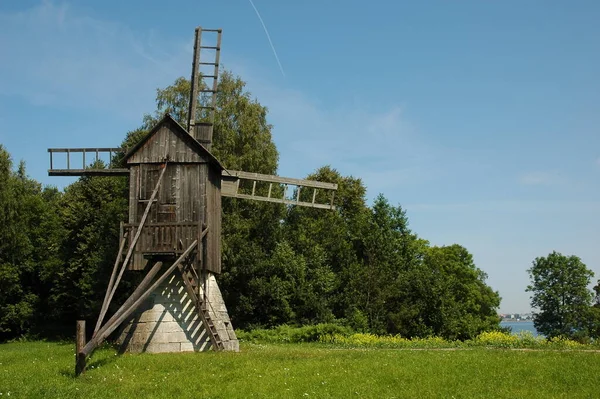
301	370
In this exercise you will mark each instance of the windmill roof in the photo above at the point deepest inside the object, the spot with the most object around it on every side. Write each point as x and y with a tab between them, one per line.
182	133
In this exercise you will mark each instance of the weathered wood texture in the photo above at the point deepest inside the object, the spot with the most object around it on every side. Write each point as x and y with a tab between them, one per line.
137	298
203	133
230	186
88	172
167	142
80	164
177	217
194	80
176	214
79	345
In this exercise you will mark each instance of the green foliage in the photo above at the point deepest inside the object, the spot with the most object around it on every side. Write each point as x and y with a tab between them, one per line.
90	211
559	290
29	237
357	266
288	334
339	336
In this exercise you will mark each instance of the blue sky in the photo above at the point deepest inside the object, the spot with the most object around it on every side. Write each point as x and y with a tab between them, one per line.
480	118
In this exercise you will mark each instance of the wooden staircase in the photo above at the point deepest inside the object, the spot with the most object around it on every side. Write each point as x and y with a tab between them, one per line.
191	281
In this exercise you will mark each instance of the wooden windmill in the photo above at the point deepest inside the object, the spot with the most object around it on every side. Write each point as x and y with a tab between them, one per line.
173	234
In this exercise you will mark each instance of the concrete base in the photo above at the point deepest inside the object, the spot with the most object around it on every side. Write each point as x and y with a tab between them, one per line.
169	322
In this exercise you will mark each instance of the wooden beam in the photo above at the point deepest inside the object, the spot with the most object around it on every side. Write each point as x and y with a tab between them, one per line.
283	201
88	172
195	81
157	224
79	344
110	284
91	149
108	329
133	297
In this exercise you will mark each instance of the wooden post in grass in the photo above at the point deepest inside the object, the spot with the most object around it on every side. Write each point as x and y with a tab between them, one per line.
79	344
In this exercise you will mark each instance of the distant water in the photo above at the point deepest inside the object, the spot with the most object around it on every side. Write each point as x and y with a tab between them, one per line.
517	326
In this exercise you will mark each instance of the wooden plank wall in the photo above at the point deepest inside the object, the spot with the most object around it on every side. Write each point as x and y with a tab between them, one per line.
165	143
176	216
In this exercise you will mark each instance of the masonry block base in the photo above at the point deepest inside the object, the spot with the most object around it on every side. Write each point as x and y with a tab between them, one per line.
169	322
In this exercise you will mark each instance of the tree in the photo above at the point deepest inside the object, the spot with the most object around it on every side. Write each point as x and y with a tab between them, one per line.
594	322
450	294
559	291
90	211
29	242
329	242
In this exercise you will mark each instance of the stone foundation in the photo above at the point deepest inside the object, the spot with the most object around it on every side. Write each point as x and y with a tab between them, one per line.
169	322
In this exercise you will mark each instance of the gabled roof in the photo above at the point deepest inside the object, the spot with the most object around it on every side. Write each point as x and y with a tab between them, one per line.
182	134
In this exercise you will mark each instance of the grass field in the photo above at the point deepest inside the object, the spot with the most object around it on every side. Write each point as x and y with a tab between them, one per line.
40	369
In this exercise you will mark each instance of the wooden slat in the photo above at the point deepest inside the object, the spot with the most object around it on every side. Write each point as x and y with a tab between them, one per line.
91	149
88	172
158	224
283	201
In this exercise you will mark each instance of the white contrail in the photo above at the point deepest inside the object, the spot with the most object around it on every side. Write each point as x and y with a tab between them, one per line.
268	37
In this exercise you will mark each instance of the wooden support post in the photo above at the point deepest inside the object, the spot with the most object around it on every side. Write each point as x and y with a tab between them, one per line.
314	195
83	166
68	159
115	321
79	344
270	188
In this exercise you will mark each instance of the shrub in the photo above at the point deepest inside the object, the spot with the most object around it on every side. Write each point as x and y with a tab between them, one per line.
289	334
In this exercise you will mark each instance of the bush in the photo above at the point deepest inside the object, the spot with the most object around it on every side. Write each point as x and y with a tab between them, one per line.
289	334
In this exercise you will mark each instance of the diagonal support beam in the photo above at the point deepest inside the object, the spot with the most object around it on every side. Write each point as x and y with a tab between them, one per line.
110	285
134	296
125	312
113	289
